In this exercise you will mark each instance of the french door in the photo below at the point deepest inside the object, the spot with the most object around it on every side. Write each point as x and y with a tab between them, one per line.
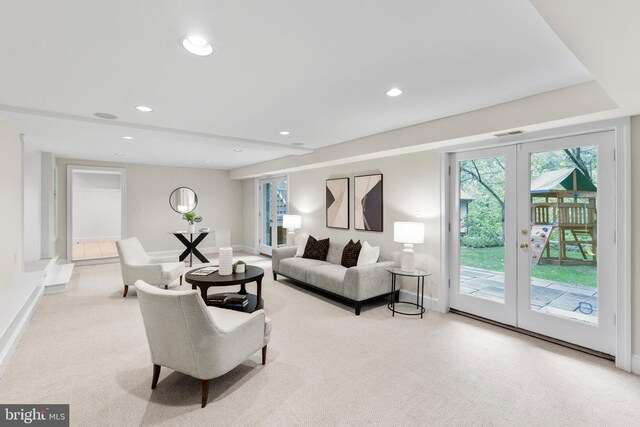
533	237
273	205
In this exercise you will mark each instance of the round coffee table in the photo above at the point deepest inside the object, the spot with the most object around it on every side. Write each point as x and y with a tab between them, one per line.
251	274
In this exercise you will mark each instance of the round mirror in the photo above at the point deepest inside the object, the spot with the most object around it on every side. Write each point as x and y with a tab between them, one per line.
183	200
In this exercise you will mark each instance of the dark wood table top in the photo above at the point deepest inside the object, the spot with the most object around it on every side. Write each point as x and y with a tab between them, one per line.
251	274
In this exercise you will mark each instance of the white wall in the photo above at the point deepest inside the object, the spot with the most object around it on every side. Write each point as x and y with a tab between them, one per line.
32	177
148	215
11	216
411	192
97	207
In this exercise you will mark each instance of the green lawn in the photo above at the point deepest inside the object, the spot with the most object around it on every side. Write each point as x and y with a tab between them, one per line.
492	259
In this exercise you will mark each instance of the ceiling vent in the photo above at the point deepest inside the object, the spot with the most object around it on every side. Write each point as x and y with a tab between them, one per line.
511	133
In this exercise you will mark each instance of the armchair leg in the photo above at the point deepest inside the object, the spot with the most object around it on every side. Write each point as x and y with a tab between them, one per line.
205	392
264	355
166	286
180	280
358	306
126	289
156	375
275	276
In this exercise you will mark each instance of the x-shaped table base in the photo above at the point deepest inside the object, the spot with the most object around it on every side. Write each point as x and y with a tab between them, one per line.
191	247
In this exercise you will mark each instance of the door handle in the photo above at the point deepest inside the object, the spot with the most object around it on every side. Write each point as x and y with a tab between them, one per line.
523	246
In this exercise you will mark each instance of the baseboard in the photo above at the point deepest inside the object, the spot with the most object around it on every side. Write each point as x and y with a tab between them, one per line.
17	325
95	239
177	252
209	250
247	249
428	302
635	364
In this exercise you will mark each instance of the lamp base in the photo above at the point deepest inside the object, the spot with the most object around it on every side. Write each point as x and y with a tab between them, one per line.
291	237
408	262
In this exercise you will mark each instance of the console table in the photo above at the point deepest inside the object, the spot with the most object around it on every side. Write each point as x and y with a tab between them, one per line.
191	245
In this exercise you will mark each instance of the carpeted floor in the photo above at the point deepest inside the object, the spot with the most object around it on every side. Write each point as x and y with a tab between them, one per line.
325	367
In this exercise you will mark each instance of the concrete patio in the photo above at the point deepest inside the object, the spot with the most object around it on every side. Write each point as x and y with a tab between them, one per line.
558	298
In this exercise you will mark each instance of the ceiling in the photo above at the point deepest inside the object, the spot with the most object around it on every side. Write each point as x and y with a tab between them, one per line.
317	69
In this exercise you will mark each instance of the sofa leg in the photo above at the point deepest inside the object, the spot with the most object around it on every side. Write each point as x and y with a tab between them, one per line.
156	375
166	286
205	392
275	276
264	355
358	306
126	289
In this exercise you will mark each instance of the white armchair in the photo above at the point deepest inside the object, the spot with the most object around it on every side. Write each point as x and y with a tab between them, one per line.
136	264
203	342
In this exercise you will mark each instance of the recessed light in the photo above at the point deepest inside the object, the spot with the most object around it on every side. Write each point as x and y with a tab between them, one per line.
207	161
106	116
144	108
394	92
128	138
237	150
197	45
119	154
285	133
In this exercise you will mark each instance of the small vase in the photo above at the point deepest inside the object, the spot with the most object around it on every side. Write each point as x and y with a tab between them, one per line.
191	228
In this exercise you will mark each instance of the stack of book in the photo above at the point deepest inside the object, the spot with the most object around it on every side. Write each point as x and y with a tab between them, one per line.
229	300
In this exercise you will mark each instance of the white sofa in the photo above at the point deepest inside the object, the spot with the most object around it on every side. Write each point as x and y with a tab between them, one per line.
354	284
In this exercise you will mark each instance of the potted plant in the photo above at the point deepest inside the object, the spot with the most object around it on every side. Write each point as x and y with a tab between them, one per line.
239	267
192	218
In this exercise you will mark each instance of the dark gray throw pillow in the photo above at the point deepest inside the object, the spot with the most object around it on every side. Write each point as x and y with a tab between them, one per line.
316	249
350	254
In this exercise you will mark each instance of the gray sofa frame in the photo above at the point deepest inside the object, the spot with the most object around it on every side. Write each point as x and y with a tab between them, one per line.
355	285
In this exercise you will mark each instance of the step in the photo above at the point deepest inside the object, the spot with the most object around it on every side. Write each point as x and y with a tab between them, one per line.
57	279
18	302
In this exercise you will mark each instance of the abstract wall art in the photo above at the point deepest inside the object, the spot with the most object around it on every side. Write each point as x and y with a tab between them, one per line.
368	202
338	203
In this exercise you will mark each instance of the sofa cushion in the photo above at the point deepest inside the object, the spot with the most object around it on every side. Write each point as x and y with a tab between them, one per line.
335	253
301	243
368	254
350	254
297	268
316	249
329	277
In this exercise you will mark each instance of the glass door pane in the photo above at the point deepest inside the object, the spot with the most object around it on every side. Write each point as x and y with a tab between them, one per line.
483	221
266	216
482	227
281	209
566	217
563	234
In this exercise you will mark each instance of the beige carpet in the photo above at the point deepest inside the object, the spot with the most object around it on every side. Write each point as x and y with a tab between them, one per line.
326	367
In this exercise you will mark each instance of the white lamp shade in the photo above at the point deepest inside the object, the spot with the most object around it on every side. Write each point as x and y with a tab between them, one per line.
291	221
408	232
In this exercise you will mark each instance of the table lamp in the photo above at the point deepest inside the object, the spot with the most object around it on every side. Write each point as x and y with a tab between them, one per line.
291	222
408	233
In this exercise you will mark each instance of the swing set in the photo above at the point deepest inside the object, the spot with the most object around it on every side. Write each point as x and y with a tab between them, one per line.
564	201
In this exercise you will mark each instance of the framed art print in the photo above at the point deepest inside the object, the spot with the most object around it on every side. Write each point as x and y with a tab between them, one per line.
368	202
338	203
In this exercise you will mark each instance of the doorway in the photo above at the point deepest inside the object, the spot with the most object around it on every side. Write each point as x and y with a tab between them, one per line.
528	224
273	205
95	212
